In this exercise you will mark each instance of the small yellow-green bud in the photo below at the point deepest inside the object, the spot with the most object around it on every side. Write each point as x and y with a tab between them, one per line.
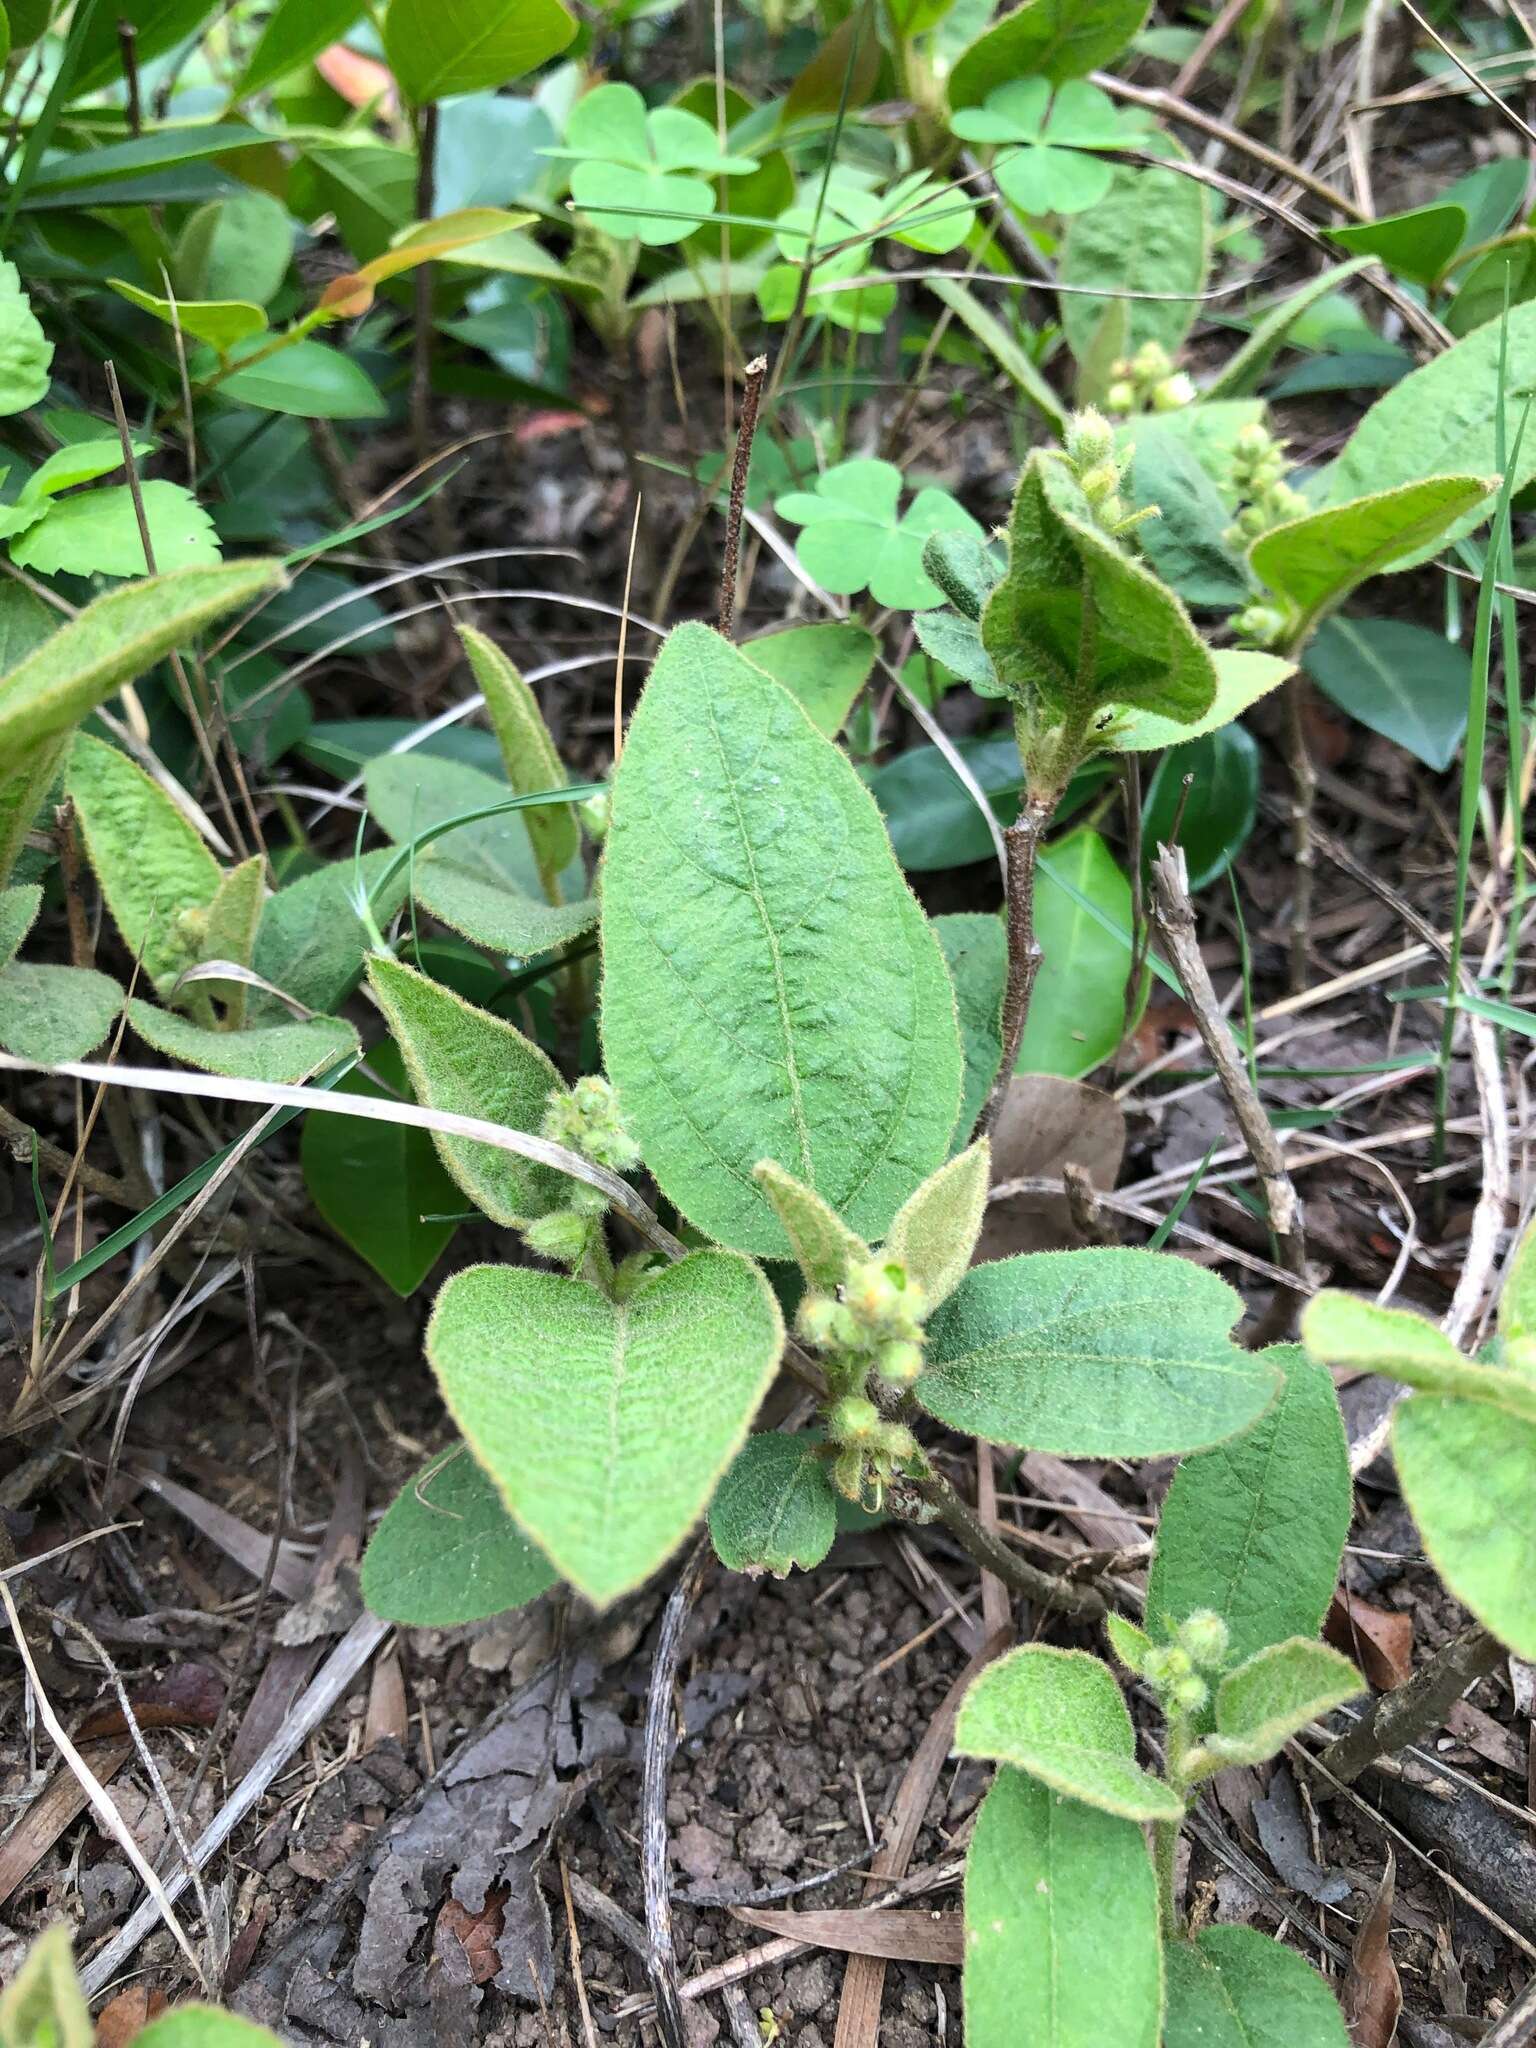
854	1420
815	1319
1261	624
897	1441
1090	439
1171	394
1189	1693
870	1290
1121	395
1100	483
1165	1666
1151	362
594	814
1206	1637
899	1362
561	1236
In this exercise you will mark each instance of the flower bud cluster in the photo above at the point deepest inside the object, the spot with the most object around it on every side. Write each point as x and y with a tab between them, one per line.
1100	466
1147	381
1256	475
585	1119
875	1319
1179	1671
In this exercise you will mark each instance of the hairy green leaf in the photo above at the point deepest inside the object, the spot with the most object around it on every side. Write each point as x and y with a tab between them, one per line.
1061	1937
935	1230
1151	233
1271	1697
530	755
1517	1299
482	879
1187	542
311	943
1253	1530
1105	1353
1342	1329
823	667
439	47
821	1242
1468	1473
746	866
49	1014
276	1053
775	1508
116	638
463	1059
606	1425
204	2026
1081	623
448	1552
1314	562
1441	420
976	952
156	874
43	2006
234	912
1129	1643
1059	1715
18	910
380	1186
1233	1987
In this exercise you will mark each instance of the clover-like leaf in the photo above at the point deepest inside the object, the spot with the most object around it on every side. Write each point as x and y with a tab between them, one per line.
853	537
632	171
1059	1715
1045	140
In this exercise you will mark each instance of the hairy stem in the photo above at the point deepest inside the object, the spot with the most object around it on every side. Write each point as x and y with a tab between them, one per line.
993	1555
1021	844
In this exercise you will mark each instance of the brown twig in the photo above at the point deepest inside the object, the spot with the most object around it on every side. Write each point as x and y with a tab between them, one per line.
993	1555
1021	843
128	51
746	427
1176	921
1414	1710
660	1962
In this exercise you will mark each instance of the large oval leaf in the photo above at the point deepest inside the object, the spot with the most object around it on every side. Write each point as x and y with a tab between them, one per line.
1061	1936
771	987
1254	1529
1468	1471
1233	1987
1317	560
1106	1353
605	1425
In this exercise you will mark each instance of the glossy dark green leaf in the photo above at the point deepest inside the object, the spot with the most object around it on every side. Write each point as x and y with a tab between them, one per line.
1221	805
447	1551
1400	679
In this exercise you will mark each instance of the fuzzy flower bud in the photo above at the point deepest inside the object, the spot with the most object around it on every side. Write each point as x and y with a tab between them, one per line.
853	1420
815	1320
560	1236
1190	1694
587	1119
1121	395
1205	1636
1089	441
1262	625
899	1362
1170	394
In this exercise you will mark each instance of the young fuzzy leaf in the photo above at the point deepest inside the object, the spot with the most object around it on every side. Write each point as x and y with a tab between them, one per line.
1059	1715
156	874
1314	562
116	638
746	870
25	781
1253	1530
1517	1302
230	933
1341	1329
482	879
447	1552
821	1242
18	910
279	1053
1062	1948
49	1014
1105	1353
935	1230
1468	1474
1129	1643
774	1509
1442	420
1233	1987
1266	1701
531	758
463	1059
43	2006
606	1425
1142	651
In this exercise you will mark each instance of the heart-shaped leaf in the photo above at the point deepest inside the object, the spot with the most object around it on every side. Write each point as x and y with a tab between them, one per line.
1060	1716
631	174
1042	137
1102	1353
605	1425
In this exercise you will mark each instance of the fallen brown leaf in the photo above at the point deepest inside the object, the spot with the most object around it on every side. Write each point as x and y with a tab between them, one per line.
898	1934
1373	1997
188	1696
1380	1641
124	2018
477	1933
1045	1122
